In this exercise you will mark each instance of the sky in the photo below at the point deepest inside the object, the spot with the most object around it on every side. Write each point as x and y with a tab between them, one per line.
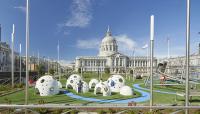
80	25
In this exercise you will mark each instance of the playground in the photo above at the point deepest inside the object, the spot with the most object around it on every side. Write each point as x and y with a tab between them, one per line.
167	91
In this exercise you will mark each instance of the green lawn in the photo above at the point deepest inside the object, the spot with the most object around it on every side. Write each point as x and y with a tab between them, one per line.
159	98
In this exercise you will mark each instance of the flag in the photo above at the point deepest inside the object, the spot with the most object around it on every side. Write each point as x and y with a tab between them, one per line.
145	46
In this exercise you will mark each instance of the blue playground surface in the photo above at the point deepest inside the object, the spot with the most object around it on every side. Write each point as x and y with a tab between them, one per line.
144	96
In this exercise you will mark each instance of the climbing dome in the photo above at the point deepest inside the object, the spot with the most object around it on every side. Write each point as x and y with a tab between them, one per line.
72	81
116	82
102	88
93	83
126	91
59	84
84	88
47	85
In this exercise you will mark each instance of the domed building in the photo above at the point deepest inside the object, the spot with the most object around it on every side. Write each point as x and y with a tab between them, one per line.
110	57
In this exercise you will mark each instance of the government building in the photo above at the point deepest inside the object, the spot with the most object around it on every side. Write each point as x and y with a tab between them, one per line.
109	57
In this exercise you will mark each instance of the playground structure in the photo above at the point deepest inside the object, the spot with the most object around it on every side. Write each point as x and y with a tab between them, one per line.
47	85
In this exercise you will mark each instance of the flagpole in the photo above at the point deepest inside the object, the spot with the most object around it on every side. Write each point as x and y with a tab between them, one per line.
20	63
12	58
151	62
27	51
187	56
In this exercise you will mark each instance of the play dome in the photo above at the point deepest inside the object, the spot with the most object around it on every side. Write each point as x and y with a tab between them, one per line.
116	82
93	83
102	88
84	87
47	85
59	84
72	81
126	91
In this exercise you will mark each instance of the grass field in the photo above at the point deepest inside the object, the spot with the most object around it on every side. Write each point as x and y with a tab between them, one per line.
159	98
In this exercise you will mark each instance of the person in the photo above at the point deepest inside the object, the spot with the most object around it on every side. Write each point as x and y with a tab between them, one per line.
80	85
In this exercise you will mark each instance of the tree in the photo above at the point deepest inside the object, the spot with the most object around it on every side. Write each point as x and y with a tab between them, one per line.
51	71
131	71
107	70
79	70
41	69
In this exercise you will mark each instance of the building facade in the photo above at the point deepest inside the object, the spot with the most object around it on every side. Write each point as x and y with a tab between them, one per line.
110	57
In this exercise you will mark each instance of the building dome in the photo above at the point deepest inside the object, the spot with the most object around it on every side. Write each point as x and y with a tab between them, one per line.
93	83
116	82
72	81
102	88
47	85
126	91
108	45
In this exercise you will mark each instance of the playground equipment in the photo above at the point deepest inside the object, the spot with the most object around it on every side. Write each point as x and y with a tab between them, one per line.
126	91
72	81
116	82
161	75
47	85
93	83
102	88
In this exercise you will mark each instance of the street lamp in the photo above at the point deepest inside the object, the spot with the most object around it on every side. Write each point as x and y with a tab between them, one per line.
12	58
151	62
27	51
20	64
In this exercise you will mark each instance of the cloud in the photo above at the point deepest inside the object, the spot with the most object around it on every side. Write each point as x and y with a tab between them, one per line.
80	14
65	62
88	44
21	8
125	43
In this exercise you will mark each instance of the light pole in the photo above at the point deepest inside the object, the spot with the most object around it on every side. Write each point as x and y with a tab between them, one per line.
58	49
151	62
48	64
133	64
12	58
20	64
38	62
27	51
187	56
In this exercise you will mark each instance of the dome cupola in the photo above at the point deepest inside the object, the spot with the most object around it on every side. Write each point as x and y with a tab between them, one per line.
108	45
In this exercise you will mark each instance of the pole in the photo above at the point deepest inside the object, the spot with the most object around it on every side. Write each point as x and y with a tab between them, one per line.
27	51
20	64
151	62
48	64
12	58
187	56
59	61
133	64
147	58
38	62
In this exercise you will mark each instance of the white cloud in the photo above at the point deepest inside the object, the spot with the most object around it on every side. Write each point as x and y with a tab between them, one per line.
80	14
125	43
21	8
65	62
88	44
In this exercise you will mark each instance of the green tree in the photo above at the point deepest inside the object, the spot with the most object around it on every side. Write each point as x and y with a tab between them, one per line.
107	70
51	71
41	69
79	70
131	71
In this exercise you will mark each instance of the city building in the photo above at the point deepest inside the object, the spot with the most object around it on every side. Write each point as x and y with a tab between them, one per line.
109	57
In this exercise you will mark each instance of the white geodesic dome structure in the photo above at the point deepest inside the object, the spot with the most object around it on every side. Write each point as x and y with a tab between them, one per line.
85	87
126	91
93	83
72	81
102	88
47	85
59	84
116	82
